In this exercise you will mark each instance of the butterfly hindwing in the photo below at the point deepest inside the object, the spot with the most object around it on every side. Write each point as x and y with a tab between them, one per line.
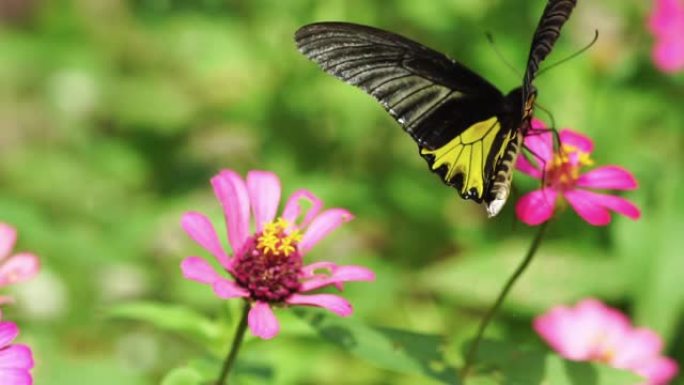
451	112
468	160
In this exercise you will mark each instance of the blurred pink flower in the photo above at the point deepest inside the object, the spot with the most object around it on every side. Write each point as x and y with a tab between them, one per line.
266	265
592	331
666	22
16	360
564	182
14	268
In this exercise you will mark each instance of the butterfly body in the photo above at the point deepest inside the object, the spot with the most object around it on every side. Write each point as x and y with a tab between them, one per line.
468	131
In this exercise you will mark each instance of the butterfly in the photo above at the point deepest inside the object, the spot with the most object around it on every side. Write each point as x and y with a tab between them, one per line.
468	131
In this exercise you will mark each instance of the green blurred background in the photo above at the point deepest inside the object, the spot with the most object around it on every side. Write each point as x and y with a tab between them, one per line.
114	115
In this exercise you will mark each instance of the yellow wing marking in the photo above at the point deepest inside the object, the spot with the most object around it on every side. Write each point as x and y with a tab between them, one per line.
467	154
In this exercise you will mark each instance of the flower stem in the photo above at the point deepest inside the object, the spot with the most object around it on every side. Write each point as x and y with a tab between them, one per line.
237	341
472	352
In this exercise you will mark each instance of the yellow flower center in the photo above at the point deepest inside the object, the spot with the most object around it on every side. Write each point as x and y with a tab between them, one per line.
604	352
271	267
564	169
276	240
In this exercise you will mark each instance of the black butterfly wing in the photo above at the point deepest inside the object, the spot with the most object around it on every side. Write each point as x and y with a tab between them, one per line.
452	113
556	13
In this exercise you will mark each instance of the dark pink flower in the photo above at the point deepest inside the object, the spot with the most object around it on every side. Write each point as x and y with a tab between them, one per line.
16	360
666	22
592	331
564	182
14	268
266	264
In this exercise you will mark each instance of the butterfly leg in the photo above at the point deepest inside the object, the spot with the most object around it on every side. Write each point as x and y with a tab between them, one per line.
539	161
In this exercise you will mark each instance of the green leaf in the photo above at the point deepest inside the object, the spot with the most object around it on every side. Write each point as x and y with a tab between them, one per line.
152	102
173	318
391	349
565	277
651	250
517	364
182	376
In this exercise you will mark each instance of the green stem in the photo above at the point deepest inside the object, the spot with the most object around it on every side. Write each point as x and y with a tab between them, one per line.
472	352
237	341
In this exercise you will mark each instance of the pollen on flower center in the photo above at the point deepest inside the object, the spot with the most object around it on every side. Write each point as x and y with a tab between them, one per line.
271	265
564	168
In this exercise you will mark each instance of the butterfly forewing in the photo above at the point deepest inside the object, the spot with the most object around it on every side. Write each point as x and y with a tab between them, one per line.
418	86
453	114
556	13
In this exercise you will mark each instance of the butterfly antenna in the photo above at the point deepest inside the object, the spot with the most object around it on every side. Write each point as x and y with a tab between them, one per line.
574	55
490	39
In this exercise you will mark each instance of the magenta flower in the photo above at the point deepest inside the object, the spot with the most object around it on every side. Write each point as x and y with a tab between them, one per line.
564	182
266	265
16	360
15	268
592	331
666	22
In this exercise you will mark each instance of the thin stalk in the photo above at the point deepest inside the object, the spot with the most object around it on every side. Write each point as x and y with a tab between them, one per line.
472	352
237	341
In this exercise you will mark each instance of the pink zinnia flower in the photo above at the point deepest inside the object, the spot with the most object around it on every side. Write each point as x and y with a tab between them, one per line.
592	331
666	22
16	360
266	265
564	182
14	268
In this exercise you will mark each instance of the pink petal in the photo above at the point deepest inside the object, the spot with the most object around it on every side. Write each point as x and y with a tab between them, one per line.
592	207
199	270
226	289
608	177
200	229
8	237
262	322
668	54
605	327
264	195
536	207
293	207
5	300
667	18
19	268
557	328
321	226
16	357
587	208
577	140
659	370
310	269
231	191
338	274
540	145
636	347
525	166
8	332
583	332
15	377
334	303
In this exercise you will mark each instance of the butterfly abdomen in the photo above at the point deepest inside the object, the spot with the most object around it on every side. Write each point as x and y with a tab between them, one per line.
500	187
